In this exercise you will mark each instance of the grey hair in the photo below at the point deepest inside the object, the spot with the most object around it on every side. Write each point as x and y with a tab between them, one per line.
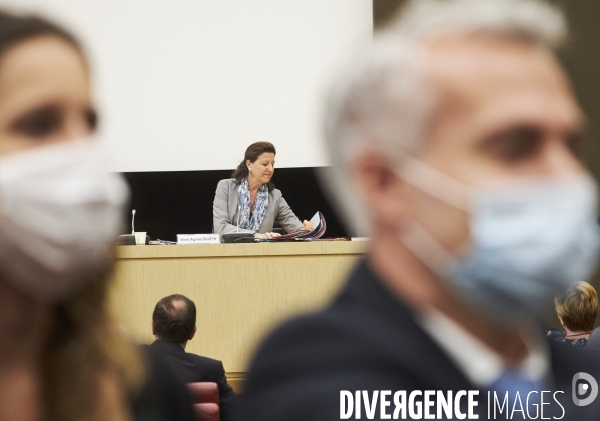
383	100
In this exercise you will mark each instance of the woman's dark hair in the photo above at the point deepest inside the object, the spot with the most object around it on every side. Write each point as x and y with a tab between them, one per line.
15	29
252	153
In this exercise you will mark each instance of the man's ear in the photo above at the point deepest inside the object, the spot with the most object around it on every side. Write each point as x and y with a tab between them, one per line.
193	333
385	195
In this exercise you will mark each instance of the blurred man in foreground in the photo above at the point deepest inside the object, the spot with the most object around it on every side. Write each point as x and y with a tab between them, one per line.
455	135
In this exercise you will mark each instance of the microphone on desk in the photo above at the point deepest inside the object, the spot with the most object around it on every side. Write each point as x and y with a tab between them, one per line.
129	239
132	219
238	237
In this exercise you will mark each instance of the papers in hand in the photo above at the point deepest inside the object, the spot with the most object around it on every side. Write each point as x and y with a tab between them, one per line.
314	222
318	224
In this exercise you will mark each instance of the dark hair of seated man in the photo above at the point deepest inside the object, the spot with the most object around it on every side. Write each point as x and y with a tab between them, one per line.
174	319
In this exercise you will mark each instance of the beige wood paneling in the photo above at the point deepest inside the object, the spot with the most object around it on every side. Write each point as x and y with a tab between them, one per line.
241	290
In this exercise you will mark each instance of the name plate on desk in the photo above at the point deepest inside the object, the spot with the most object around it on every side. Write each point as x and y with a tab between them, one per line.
198	238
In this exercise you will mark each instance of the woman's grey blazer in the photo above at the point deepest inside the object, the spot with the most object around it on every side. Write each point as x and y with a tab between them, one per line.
225	210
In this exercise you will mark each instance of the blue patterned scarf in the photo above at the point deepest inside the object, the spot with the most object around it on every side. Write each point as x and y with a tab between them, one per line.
261	202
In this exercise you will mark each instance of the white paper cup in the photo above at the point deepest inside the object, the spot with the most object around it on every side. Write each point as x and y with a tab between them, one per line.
140	238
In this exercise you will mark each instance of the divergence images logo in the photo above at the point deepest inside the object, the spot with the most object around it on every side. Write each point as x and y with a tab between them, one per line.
582	384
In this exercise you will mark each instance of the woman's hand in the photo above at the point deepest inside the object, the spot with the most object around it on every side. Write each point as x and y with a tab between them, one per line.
267	235
307	225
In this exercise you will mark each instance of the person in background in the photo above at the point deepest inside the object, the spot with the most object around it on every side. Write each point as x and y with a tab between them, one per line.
173	325
61	356
249	202
577	311
455	135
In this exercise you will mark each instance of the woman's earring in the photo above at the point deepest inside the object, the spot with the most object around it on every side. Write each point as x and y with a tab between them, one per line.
249	171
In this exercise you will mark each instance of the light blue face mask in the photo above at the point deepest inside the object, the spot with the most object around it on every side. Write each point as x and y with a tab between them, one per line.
528	243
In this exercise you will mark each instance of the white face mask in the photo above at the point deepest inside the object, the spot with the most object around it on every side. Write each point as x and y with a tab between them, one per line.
529	243
60	212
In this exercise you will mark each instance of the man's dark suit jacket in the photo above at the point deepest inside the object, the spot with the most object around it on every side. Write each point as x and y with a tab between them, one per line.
163	396
192	368
368	340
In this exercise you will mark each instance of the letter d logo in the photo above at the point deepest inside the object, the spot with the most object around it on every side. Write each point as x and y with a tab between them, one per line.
580	389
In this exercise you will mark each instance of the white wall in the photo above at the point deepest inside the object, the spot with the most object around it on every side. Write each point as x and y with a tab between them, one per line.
189	84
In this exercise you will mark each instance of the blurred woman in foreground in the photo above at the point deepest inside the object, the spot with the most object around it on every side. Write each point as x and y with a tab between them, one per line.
60	356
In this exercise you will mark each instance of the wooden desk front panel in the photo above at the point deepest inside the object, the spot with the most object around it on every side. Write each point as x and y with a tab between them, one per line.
241	290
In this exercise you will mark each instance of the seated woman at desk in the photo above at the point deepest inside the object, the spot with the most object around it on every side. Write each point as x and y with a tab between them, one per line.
249	202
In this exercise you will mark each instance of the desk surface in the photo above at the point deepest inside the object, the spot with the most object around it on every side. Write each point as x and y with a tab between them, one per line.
241	291
233	250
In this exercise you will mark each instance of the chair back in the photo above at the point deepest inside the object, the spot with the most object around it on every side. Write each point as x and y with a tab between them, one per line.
205	397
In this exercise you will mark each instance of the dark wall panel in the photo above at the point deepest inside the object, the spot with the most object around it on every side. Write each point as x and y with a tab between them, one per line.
180	202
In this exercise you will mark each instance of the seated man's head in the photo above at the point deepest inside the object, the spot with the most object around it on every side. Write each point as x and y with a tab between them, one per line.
578	308
174	319
457	134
